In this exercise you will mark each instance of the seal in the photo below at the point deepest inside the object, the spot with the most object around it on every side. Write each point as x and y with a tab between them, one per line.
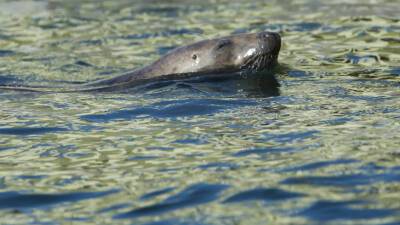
236	54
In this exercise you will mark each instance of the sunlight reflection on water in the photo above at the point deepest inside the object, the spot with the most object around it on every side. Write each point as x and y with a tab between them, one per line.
321	147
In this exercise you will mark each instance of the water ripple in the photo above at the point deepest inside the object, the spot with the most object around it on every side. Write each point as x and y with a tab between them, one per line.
325	211
17	200
342	180
219	166
9	79
193	195
263	194
165	33
30	130
318	165
5	53
170	109
262	151
154	194
291	137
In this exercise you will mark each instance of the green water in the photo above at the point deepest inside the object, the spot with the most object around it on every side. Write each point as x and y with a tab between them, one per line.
325	150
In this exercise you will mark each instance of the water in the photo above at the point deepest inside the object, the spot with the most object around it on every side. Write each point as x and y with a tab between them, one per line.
321	148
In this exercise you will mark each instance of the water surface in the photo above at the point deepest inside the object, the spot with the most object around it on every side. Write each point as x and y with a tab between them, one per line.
322	147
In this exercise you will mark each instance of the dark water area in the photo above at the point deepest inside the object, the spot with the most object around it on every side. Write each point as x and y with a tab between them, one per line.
315	141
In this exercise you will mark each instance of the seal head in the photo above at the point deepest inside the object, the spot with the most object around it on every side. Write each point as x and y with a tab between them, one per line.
242	52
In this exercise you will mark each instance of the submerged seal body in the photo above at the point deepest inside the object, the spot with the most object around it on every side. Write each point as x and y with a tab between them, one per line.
243	53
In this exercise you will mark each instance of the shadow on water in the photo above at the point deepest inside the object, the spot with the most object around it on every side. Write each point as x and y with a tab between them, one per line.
170	109
258	86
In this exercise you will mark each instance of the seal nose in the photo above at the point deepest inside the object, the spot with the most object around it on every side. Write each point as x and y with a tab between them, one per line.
271	41
269	35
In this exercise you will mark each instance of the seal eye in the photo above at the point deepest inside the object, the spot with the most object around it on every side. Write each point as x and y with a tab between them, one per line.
194	56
